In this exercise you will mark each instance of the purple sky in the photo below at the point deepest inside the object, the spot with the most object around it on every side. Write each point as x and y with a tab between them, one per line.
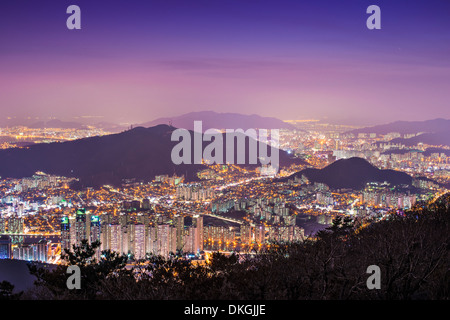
139	60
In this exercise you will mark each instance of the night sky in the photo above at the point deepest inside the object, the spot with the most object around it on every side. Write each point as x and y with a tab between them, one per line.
134	61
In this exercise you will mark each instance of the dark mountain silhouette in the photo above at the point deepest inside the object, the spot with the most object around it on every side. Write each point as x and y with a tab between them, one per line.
352	173
436	139
405	127
429	151
426	153
211	119
401	151
110	126
140	153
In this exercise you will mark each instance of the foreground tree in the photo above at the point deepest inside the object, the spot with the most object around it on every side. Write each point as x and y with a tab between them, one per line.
92	272
6	291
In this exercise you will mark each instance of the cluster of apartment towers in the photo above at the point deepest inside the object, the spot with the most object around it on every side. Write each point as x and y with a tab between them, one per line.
134	238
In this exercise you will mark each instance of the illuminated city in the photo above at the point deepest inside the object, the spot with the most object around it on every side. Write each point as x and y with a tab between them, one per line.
230	208
224	150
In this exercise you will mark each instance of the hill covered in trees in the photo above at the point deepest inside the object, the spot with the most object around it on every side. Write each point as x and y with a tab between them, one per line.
139	153
227	120
352	173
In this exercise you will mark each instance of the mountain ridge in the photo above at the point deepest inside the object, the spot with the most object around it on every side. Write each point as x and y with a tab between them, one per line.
352	173
437	138
215	120
407	127
140	153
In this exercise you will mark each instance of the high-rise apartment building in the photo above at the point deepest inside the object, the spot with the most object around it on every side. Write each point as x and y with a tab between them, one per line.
116	238
178	222
5	247
2	225
140	241
197	223
80	226
65	233
166	242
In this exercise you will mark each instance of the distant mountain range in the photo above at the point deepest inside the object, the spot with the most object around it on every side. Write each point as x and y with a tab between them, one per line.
426	153
140	153
211	119
110	127
437	139
55	123
429	151
352	173
406	127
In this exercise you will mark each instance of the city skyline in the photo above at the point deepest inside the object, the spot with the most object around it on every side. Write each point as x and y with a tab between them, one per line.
292	60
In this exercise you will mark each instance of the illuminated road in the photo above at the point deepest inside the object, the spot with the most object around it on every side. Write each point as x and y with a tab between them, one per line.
223	218
242	182
438	195
201	213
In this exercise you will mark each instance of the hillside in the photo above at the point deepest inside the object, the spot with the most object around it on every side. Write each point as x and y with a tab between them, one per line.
353	173
436	139
140	153
406	127
216	120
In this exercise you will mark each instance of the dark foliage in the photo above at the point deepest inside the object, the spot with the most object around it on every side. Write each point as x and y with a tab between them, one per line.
6	291
92	272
